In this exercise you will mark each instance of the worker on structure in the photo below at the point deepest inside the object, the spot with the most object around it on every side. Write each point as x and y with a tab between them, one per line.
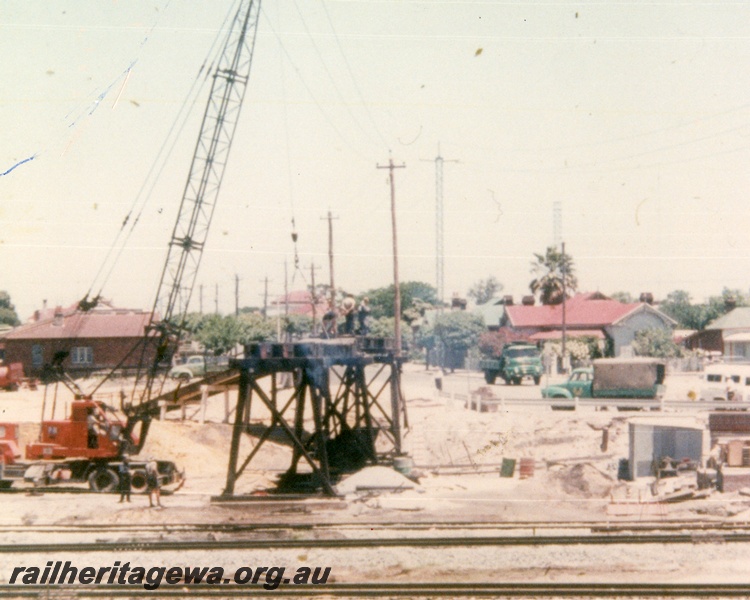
123	471
329	322
347	309
363	313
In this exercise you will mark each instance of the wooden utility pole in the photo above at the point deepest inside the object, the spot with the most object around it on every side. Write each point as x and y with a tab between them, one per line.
200	298
397	289
564	300
313	295
216	300
330	219
236	295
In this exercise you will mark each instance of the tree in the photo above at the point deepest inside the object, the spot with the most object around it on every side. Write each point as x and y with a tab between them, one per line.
384	327
8	315
688	316
381	299
624	297
456	332
657	343
297	325
550	270
256	328
484	290
696	316
491	343
219	334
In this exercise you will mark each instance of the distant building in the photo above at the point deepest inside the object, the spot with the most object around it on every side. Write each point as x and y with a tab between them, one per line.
729	334
298	302
99	339
590	315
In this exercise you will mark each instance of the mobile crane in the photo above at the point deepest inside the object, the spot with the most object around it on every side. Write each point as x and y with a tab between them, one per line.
90	443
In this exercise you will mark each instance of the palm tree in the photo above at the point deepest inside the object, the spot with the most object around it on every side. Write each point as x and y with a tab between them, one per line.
551	270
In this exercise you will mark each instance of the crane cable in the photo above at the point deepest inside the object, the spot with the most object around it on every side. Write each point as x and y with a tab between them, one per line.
158	165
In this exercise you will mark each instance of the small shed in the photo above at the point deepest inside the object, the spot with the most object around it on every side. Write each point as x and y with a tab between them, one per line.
651	440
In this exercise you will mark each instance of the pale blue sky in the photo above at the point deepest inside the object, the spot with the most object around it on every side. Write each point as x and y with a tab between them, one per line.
634	115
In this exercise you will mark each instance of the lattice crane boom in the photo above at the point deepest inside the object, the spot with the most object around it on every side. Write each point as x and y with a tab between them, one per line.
196	211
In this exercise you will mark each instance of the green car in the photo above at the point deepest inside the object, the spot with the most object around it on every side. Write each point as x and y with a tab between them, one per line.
516	361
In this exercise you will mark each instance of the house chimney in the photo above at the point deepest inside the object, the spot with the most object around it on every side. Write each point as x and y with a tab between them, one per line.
730	303
458	303
57	321
508	300
528	300
647	298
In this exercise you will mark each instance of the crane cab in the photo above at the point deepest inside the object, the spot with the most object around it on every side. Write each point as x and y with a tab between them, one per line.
92	431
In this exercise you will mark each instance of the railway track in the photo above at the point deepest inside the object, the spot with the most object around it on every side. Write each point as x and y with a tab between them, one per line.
142	545
389	590
592	526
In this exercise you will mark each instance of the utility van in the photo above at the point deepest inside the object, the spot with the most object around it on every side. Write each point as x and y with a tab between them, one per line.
726	382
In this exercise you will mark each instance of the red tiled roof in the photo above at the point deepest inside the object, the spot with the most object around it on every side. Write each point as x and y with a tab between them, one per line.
583	310
299	302
295	297
94	324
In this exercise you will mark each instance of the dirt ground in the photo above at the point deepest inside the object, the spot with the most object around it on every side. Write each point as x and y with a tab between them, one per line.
458	454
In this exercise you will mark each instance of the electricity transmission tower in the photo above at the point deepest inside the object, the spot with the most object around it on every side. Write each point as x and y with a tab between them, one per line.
439	228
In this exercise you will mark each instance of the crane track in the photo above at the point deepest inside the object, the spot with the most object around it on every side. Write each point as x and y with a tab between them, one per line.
389	590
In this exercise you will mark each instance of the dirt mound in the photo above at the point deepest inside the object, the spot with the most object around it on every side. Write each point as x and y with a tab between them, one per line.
583	480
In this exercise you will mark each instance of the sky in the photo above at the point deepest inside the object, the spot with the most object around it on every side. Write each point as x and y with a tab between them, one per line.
632	117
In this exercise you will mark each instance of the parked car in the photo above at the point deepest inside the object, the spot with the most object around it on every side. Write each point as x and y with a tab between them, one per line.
199	366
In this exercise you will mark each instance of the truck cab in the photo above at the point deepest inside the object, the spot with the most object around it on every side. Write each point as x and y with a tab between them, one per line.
578	385
92	431
516	361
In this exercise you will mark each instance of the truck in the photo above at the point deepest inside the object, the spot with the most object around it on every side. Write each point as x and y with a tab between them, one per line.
632	378
516	361
199	366
86	447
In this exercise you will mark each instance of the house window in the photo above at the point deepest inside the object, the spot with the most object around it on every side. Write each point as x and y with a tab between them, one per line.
37	355
82	355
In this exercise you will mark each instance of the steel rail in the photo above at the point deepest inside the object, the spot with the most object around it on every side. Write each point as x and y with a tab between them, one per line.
389	590
593	527
600	527
370	542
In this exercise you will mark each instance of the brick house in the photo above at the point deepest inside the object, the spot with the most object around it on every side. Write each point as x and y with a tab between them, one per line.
590	315
100	339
